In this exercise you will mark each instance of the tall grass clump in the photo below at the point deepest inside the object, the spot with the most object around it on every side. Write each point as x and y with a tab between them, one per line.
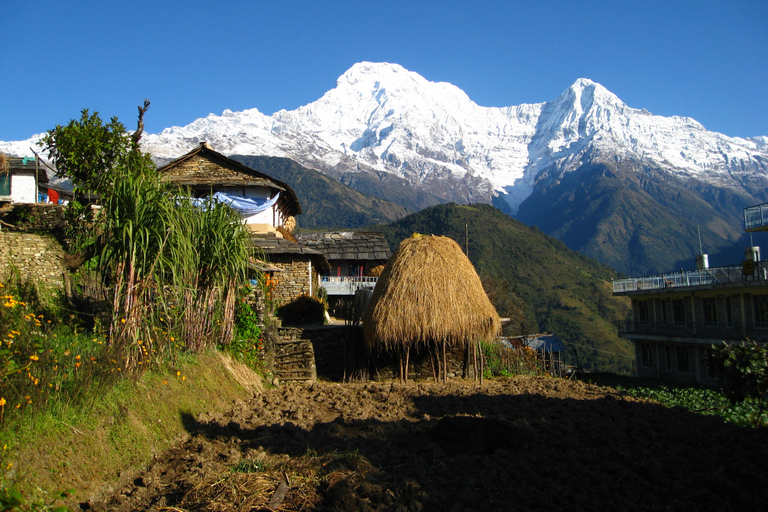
170	269
207	262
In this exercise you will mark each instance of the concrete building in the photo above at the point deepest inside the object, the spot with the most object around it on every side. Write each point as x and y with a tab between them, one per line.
677	317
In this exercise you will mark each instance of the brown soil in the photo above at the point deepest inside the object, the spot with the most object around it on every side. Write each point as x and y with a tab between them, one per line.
527	443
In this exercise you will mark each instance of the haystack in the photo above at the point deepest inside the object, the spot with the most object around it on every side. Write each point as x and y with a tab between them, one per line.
429	296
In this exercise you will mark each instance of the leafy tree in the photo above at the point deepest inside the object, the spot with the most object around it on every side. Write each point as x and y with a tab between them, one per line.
152	246
90	153
745	372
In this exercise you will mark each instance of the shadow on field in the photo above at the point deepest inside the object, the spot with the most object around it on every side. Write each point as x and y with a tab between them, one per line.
520	452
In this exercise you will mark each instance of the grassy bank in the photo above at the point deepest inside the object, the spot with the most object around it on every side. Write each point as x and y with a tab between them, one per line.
86	449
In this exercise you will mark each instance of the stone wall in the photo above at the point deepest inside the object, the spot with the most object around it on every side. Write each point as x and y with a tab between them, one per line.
36	257
294	356
306	353
31	242
34	218
293	281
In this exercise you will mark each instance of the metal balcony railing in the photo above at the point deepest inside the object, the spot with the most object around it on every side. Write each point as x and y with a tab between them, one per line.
709	276
346	285
756	217
721	331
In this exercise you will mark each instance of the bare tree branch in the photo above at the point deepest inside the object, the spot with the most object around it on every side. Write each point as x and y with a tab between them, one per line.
140	127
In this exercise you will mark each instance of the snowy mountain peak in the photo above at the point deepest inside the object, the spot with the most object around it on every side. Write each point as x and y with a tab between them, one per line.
382	118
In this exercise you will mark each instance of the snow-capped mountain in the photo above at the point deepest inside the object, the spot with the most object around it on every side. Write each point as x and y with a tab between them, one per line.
383	118
389	132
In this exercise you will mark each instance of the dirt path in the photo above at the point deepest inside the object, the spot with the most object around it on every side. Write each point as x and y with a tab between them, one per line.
520	444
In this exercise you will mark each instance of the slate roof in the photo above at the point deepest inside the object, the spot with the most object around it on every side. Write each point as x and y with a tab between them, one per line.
271	244
254	177
348	245
27	164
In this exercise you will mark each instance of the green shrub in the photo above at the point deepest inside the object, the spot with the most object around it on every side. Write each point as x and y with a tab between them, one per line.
745	373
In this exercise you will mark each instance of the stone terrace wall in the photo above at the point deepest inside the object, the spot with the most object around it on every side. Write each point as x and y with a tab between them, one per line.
34	218
36	257
306	353
31	238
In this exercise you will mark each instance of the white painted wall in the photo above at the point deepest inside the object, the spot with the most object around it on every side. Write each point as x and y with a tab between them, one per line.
23	187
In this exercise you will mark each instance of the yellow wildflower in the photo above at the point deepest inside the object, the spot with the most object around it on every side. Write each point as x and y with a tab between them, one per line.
2	402
34	357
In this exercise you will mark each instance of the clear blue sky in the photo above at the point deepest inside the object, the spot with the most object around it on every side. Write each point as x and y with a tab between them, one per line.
702	59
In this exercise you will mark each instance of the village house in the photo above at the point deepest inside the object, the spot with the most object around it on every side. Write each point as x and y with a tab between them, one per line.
268	208
355	259
21	179
677	317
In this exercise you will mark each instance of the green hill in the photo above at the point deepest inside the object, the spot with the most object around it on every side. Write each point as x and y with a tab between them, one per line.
325	202
534	279
640	220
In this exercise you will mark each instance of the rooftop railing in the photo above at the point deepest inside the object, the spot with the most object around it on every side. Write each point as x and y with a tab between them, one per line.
756	217
708	276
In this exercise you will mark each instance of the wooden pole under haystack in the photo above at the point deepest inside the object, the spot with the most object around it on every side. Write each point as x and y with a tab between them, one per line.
429	296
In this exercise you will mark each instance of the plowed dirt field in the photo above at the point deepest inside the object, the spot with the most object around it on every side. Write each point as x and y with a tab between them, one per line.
527	443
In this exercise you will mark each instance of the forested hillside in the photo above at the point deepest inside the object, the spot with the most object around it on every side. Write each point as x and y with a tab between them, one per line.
325	202
534	279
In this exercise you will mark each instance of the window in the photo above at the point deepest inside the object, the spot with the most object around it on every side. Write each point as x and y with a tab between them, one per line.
760	303
678	311
663	309
5	184
713	369
668	354
642	311
728	311
709	305
683	365
646	357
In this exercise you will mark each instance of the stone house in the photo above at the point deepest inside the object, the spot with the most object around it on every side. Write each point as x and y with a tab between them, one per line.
21	179
268	208
264	203
354	257
295	269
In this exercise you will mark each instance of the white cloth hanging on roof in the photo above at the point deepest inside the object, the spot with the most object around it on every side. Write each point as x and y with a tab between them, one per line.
245	206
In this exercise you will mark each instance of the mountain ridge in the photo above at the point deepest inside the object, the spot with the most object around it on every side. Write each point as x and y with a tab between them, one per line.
391	133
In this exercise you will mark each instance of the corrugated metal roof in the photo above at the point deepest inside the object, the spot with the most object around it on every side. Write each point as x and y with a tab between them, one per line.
544	343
